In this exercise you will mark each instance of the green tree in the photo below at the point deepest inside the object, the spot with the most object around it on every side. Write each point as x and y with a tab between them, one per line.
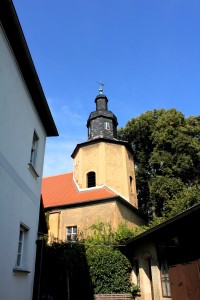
166	148
109	268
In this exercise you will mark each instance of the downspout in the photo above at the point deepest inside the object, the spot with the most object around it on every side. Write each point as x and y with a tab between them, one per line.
58	227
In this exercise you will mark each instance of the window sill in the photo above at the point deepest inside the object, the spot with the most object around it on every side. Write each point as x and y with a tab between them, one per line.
19	270
32	169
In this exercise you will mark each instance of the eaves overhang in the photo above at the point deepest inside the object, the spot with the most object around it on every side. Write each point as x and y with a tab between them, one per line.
97	201
12	28
102	114
99	140
165	228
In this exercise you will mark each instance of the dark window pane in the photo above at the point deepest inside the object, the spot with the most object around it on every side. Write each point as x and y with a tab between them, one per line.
91	179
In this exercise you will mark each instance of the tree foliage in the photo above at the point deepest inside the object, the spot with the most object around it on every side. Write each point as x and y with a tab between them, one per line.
109	270
109	267
166	148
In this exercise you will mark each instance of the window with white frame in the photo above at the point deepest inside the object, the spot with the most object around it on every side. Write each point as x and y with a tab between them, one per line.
165	279
107	125
34	149
22	243
71	233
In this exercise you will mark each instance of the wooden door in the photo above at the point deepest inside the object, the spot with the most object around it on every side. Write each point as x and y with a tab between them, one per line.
185	281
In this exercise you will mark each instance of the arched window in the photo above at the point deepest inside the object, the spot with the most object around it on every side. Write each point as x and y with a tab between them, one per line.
91	179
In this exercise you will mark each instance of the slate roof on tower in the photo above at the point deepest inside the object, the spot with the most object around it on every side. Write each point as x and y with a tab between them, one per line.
102	122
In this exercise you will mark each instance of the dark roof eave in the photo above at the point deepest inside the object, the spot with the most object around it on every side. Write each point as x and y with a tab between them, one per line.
114	118
97	140
152	231
14	33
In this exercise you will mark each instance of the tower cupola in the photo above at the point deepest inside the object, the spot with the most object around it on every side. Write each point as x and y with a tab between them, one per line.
102	123
103	160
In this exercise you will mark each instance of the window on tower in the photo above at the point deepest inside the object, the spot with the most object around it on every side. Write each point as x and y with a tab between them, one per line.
107	125
91	179
131	183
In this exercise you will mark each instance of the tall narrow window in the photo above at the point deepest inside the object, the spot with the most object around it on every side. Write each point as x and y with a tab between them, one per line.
34	149
91	179
131	184
165	279
107	125
20	247
71	233
21	252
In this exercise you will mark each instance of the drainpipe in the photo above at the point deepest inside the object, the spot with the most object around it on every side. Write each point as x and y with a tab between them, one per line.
58	228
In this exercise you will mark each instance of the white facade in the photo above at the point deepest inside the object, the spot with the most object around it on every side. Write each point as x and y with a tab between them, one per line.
20	184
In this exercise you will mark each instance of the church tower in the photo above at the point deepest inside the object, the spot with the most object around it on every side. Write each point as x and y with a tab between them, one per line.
103	160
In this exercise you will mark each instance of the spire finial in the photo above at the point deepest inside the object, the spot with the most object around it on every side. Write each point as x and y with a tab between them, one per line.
100	87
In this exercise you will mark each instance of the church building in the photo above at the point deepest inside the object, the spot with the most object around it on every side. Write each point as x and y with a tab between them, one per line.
102	186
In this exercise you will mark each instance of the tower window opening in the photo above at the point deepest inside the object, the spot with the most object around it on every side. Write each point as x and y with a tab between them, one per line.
131	184
107	125
91	179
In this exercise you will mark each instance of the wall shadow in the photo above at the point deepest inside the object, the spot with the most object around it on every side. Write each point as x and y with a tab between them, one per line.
64	273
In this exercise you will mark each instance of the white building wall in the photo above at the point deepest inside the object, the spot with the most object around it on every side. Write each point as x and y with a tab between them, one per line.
19	188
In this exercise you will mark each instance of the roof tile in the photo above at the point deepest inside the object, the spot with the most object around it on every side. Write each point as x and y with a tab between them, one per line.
61	190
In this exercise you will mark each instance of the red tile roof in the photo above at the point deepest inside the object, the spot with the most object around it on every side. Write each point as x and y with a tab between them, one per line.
61	190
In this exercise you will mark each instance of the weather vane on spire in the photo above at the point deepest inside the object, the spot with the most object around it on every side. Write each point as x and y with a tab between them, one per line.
100	87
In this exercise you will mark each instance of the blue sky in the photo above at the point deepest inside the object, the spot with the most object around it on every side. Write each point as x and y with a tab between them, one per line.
147	53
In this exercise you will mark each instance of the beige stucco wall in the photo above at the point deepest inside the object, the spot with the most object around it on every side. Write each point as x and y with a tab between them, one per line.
128	216
113	165
146	256
83	217
54	225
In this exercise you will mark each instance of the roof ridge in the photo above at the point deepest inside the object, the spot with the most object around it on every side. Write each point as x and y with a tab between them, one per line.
57	175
